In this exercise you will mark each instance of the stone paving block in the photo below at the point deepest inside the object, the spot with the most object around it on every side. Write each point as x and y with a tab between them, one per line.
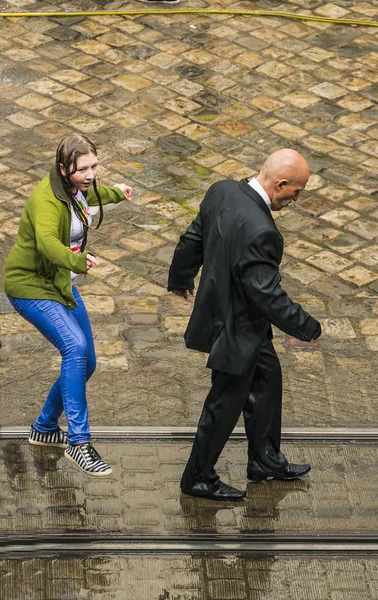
140	481
99	304
341	595
328	90
54	479
316	206
360	276
372	343
226	568
328	261
176	325
137	304
100	507
368	256
369	326
329	286
345	244
302	273
364	228
340	216
225	589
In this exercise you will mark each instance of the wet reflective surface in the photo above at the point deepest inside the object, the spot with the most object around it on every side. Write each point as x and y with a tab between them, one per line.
189	577
41	490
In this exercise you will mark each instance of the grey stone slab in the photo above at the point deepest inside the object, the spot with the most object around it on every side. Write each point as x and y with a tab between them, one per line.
178	144
5	305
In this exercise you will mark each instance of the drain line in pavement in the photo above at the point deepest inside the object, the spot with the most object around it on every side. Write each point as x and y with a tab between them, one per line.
312	544
204	11
289	434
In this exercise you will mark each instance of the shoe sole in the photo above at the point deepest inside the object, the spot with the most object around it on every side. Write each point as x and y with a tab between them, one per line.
34	443
214	499
262	479
98	474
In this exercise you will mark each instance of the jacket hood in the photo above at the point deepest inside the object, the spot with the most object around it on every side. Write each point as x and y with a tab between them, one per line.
57	186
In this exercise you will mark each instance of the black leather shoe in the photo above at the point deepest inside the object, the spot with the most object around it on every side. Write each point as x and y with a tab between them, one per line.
215	491
256	473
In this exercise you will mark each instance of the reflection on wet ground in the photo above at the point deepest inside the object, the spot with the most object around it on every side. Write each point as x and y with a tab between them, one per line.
40	489
189	577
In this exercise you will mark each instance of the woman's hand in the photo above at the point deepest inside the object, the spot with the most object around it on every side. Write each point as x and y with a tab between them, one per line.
91	261
127	190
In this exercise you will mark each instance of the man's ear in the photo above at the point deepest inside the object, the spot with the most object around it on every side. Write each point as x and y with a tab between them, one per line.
281	183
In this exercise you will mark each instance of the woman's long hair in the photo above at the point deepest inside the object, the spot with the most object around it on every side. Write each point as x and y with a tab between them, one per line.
69	150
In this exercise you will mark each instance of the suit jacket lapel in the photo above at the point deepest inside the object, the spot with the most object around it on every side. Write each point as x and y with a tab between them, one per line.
247	189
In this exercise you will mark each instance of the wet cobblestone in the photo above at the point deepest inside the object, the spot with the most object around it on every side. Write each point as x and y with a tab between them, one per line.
41	490
176	102
189	577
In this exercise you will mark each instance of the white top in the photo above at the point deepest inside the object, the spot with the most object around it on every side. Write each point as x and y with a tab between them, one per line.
260	190
77	227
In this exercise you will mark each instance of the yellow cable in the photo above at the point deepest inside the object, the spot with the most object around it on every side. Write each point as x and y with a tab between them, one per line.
211	11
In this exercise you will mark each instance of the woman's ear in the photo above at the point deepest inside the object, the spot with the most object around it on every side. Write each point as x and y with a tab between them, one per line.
62	170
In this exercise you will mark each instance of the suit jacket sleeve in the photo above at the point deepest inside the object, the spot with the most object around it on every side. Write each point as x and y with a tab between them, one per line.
259	272
187	259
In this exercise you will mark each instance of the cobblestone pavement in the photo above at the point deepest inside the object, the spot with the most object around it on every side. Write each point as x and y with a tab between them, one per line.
189	577
176	102
43	491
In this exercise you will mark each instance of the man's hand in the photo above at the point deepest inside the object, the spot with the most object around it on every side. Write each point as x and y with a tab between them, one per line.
318	332
183	293
126	189
91	261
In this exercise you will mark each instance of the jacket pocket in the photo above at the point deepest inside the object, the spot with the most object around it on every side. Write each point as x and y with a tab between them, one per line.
47	271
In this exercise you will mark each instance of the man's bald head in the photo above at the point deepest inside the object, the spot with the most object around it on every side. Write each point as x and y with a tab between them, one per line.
283	176
285	164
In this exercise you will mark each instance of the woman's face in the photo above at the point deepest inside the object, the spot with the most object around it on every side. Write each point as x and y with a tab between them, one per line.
86	171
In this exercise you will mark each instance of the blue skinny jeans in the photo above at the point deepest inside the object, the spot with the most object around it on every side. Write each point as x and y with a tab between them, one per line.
70	332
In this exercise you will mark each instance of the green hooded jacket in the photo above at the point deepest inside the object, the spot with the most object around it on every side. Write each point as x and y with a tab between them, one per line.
39	265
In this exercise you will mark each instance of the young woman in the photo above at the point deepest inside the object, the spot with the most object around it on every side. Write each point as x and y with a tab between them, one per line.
40	270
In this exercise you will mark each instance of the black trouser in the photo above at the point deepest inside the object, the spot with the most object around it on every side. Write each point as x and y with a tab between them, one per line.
258	394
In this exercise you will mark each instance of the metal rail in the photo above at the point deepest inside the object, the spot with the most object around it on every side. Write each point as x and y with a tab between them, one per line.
323	434
275	543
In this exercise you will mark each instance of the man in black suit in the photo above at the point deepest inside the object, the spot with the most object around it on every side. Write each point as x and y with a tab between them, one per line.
235	240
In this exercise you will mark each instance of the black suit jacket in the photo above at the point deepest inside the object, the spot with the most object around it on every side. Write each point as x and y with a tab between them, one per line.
235	239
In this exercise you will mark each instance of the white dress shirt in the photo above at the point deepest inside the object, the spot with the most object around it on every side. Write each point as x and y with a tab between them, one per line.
260	190
77	228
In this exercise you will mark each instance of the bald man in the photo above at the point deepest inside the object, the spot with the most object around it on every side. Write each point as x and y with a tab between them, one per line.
235	240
